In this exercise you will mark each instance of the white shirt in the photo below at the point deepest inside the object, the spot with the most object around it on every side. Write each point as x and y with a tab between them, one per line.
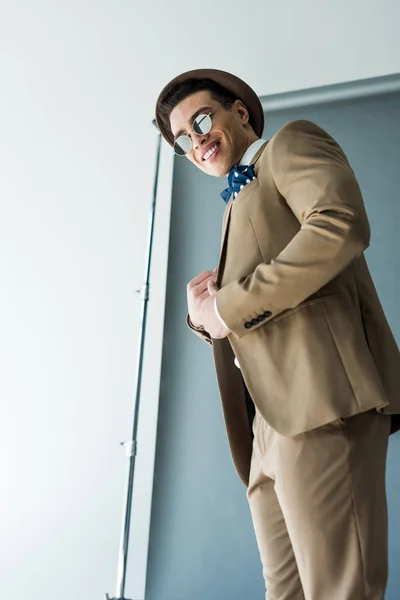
251	151
245	160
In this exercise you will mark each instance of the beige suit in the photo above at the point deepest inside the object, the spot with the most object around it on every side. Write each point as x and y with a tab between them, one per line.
292	246
312	342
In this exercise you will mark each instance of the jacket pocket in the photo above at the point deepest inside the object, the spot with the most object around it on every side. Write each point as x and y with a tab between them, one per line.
311	301
310	366
348	334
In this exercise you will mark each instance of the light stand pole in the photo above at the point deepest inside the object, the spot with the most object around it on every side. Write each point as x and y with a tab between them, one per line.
131	446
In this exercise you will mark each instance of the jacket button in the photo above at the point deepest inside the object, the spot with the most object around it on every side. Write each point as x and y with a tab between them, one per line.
267	314
248	325
254	321
260	318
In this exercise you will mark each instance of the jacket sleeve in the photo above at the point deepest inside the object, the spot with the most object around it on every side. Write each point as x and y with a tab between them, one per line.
201	332
313	176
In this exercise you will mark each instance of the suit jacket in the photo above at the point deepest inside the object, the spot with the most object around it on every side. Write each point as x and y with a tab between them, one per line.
307	325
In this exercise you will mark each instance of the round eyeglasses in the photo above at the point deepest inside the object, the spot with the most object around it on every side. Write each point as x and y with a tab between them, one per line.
201	125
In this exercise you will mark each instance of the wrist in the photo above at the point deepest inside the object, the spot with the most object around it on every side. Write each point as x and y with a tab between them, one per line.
195	325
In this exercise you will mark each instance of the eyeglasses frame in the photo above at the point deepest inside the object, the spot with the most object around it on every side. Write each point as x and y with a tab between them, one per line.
186	135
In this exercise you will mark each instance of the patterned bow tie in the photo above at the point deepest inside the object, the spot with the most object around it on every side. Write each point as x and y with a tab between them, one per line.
238	177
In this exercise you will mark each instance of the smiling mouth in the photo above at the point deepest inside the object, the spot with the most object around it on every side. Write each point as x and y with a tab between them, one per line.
211	151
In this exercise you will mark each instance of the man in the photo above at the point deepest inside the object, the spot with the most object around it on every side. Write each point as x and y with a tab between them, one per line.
292	304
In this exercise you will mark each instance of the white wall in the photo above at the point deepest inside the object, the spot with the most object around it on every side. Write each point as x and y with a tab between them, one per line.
71	257
78	82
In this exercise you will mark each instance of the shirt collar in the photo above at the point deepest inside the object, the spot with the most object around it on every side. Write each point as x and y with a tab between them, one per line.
251	152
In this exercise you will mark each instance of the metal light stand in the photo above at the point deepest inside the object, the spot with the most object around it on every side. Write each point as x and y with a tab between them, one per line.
131	446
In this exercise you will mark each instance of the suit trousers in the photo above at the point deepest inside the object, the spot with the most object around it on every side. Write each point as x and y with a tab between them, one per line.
318	504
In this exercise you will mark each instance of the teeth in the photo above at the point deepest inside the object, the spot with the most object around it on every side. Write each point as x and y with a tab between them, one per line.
210	152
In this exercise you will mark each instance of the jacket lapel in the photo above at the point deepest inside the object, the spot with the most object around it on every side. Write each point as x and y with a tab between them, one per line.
257	156
225	227
226	219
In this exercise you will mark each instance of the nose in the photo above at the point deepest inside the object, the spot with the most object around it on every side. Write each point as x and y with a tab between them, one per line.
198	139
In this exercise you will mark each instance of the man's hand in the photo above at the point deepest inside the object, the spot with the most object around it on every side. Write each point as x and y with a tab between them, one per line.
200	295
211	322
197	292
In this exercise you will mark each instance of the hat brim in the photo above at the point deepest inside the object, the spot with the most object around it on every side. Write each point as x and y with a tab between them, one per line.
233	84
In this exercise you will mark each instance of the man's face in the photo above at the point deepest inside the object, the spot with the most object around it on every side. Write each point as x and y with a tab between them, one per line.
218	151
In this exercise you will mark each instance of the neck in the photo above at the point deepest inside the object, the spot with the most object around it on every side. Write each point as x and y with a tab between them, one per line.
250	140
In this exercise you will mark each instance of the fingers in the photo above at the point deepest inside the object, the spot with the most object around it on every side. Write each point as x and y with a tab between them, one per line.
204	275
210	290
212	287
200	279
204	295
199	284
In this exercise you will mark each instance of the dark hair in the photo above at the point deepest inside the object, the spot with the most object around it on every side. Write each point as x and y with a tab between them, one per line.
179	92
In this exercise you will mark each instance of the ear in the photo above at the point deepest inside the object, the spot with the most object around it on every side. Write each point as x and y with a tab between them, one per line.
242	111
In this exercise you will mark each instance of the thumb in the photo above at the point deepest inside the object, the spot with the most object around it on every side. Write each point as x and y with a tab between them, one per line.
212	288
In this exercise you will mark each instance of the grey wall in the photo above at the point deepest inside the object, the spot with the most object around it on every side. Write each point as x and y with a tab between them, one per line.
202	545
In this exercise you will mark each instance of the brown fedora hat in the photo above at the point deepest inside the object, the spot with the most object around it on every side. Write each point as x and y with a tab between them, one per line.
230	82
